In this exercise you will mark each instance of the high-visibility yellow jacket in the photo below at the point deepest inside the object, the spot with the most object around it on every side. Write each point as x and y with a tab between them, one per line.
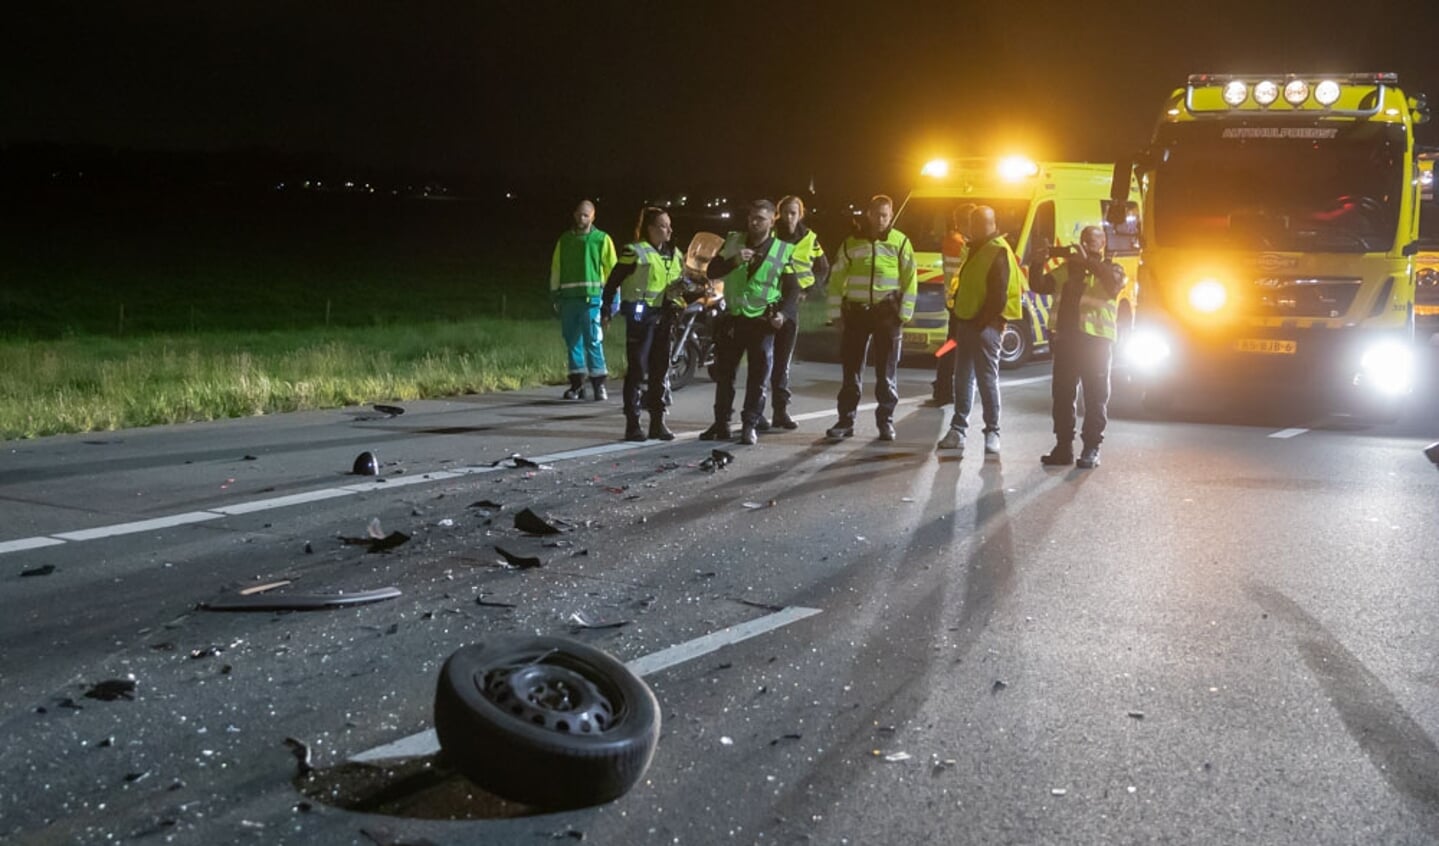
581	264
970	294
869	270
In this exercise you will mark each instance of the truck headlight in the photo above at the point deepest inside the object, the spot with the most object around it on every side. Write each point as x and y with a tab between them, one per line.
1266	92
1327	92
1388	367
1208	296
1235	93
1146	350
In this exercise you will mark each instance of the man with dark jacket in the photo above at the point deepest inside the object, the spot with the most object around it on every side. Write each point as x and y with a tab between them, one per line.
990	284
1082	328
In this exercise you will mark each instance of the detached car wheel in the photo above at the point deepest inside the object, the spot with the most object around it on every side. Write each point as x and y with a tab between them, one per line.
545	721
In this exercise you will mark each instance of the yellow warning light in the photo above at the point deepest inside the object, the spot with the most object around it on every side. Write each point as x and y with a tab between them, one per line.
936	168
1016	168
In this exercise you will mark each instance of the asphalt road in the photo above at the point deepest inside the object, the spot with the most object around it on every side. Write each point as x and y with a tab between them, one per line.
1223	634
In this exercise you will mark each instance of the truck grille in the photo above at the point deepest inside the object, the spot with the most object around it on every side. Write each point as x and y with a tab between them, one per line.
1271	297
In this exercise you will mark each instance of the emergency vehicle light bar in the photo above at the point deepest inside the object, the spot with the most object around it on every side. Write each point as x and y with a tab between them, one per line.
1387	78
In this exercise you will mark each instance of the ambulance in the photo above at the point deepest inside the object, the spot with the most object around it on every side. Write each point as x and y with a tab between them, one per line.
1036	204
1281	228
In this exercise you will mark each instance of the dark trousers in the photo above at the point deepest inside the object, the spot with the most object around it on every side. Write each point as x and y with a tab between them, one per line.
784	343
1080	358
753	338
647	360
861	326
976	364
944	373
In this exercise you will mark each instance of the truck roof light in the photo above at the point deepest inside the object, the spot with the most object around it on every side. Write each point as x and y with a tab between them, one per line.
1386	78
1327	92
937	168
1266	92
1236	92
1296	91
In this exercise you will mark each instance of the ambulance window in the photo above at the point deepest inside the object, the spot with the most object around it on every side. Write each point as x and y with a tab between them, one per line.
1122	239
1042	231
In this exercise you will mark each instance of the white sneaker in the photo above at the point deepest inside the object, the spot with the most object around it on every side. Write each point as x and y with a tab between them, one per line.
991	443
953	439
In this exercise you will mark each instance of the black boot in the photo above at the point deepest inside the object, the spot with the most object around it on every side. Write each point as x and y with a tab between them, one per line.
577	387
1062	455
717	432
633	432
782	420
599	384
1089	459
658	430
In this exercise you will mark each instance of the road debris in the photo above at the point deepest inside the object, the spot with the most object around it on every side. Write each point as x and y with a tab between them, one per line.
299	601
366	464
301	751
111	690
248	457
490	603
38	571
392	410
520	562
581	620
266	586
893	757
718	460
1138	715
531	523
487	504
999	684
377	541
757	505
1057	791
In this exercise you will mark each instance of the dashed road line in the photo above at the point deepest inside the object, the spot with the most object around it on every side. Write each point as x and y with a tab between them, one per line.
427	743
389	483
1287	433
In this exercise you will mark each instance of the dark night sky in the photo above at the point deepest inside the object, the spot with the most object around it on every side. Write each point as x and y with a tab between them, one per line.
665	95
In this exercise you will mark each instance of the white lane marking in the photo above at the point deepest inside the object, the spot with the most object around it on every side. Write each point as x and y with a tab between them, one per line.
140	526
238	508
281	501
27	543
427	743
1288	433
1014	383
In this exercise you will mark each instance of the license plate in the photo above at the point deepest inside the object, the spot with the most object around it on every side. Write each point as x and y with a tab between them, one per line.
1268	346
916	339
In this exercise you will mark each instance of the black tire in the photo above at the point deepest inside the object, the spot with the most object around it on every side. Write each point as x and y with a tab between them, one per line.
684	365
1015	346
523	745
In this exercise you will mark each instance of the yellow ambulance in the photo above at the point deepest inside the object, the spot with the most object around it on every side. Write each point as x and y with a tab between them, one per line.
1037	204
1426	261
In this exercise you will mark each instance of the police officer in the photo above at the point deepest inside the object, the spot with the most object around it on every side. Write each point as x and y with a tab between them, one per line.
872	289
583	257
988	292
1082	327
645	267
761	288
811	267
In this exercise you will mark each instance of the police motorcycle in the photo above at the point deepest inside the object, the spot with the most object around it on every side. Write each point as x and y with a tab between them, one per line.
700	302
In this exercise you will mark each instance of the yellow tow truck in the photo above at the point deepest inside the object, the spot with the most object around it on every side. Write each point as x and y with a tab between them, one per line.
1037	204
1281	225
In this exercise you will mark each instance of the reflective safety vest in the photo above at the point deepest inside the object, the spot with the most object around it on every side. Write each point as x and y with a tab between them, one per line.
580	265
747	293
954	252
806	251
974	280
654	270
1098	312
868	270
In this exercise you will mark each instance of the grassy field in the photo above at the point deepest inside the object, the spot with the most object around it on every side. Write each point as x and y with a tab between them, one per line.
138	316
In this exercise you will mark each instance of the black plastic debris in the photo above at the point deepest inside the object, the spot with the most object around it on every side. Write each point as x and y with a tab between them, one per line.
301	751
718	459
523	562
377	540
38	571
392	410
487	504
250	458
531	523
366	464
298	601
110	690
388	542
206	652
490	603
1432	451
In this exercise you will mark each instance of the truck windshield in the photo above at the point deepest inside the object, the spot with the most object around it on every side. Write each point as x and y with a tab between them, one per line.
926	220
1325	188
